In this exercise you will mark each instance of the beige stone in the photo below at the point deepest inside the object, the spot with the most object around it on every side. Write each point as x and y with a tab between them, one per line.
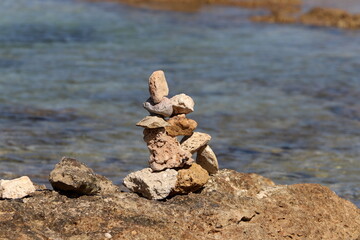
152	122
16	188
158	86
182	103
165	151
195	141
163	108
191	179
206	158
180	126
152	185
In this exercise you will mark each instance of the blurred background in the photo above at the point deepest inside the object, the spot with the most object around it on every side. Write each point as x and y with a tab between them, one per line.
280	100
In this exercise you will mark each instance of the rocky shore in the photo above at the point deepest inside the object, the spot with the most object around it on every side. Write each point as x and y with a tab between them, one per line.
231	205
279	11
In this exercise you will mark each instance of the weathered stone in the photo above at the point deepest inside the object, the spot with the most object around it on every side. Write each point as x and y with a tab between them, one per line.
165	152
163	108
195	141
72	177
206	158
152	122
180	126
16	188
191	179
152	133
152	185
231	206
158	87
182	103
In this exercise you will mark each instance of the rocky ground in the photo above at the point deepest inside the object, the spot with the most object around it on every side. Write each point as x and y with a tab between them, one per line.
232	205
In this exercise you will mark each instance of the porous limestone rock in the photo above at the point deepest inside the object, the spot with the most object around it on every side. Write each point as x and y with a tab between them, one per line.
163	108
195	141
165	152
16	188
191	179
152	122
206	158
182	103
158	87
180	126
75	178
152	185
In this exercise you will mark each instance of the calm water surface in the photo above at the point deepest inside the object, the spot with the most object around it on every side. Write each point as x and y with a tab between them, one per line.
278	100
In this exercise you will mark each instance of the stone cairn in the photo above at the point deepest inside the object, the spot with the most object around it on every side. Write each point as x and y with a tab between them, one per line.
172	169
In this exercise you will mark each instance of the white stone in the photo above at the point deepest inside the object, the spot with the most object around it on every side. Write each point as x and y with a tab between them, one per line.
152	122
16	188
182	103
206	158
152	185
195	141
158	87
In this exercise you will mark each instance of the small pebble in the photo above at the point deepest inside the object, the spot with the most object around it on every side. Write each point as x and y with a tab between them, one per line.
108	235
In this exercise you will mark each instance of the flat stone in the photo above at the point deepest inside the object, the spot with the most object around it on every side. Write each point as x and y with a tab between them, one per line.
152	185
152	122
16	188
191	179
163	108
158	86
75	178
165	151
195	141
206	158
180	126
182	103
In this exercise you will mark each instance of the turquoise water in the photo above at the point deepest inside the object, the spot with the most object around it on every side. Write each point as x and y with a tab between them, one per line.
278	100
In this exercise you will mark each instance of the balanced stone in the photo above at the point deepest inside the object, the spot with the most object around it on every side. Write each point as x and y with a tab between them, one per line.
180	126
206	158
166	152
182	103
191	179
152	185
158	87
163	108
16	188
152	122
195	141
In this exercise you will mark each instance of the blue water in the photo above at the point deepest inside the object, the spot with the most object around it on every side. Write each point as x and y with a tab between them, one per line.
278	100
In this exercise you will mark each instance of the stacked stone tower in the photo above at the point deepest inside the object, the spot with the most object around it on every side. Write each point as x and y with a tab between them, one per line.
172	167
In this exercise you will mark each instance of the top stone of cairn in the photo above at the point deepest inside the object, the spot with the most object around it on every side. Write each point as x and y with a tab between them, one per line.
158	87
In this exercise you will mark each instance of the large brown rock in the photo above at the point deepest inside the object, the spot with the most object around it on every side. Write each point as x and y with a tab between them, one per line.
75	178
165	151
158	87
180	126
231	206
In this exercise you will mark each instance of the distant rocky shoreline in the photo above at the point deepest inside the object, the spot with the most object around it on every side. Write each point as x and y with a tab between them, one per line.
279	11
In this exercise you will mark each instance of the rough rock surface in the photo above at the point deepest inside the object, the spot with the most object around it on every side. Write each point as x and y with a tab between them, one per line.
165	151
152	185
180	126
206	158
191	179
163	108
195	141
231	206
182	103
152	122
330	17
16	188
72	177
158	87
